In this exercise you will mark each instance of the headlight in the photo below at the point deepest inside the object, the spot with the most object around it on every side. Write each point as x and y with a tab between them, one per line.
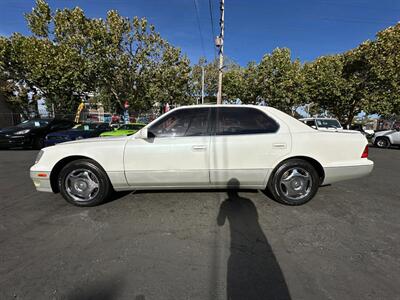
21	132
39	156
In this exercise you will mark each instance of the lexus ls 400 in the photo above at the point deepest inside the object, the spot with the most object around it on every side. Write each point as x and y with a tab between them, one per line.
199	147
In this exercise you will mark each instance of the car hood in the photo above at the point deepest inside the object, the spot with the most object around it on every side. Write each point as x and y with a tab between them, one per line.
12	129
385	132
95	140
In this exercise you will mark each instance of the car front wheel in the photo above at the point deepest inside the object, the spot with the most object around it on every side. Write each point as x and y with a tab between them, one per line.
382	142
83	183
294	182
38	143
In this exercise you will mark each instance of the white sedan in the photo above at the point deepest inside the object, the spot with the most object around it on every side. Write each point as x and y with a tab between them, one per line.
219	146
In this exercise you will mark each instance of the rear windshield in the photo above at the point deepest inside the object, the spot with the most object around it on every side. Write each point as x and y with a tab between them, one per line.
33	123
328	123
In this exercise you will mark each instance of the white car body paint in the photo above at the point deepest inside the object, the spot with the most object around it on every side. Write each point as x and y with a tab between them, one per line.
134	163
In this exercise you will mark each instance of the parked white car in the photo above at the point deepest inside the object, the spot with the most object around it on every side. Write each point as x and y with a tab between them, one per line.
196	147
322	123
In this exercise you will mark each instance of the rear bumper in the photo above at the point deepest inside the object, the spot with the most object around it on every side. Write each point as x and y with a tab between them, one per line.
339	173
41	180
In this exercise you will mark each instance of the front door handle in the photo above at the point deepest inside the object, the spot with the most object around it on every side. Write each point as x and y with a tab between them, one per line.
199	147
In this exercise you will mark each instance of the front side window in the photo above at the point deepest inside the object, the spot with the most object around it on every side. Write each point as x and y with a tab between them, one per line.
243	120
182	122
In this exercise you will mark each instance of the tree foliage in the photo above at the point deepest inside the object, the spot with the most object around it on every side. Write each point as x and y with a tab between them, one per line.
118	59
70	56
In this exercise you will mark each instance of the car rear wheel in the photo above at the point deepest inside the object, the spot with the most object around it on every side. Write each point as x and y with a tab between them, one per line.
83	183
382	142
294	182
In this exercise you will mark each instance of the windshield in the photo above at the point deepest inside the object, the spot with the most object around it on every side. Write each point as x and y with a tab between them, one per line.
33	123
328	123
85	127
130	127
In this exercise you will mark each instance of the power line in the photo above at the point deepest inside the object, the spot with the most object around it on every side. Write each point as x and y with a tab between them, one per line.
199	26
210	8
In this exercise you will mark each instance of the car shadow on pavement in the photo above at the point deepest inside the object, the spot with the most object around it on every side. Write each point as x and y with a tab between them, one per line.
253	271
100	290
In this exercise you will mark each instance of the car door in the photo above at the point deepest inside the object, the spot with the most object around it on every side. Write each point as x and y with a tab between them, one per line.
246	144
176	154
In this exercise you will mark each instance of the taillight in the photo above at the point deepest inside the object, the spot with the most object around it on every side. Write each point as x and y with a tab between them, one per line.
365	153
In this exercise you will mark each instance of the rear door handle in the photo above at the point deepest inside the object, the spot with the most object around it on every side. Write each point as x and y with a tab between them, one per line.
279	146
199	147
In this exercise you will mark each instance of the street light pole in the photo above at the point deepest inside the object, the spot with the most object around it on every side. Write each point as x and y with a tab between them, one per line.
220	44
202	84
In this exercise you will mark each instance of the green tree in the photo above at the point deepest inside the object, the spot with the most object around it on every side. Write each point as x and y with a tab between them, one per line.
279	80
383	60
117	59
233	83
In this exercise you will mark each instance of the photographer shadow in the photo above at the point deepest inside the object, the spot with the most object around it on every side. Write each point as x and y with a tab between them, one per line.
253	271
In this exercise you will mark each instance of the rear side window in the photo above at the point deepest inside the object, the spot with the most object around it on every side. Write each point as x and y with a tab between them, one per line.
182	122
310	123
243	120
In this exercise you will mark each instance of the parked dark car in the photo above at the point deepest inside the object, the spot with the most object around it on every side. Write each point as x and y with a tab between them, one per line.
31	133
78	132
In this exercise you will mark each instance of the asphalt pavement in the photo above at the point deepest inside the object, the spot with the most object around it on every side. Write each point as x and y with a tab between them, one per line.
344	244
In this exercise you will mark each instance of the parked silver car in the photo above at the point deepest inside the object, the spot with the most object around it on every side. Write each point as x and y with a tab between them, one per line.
387	138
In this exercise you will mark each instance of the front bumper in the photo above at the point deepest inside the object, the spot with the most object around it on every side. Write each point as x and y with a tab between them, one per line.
15	141
41	180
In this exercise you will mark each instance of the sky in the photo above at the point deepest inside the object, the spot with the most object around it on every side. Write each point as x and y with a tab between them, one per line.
310	28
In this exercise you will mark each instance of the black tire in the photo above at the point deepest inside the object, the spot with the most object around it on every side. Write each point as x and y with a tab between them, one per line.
38	143
382	142
308	178
96	176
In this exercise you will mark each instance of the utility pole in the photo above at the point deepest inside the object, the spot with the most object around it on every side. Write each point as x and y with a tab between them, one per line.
202	84
220	44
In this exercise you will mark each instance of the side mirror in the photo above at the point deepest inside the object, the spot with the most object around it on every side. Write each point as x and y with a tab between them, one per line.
143	133
313	126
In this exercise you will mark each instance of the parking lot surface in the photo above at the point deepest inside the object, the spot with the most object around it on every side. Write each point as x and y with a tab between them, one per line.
344	244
